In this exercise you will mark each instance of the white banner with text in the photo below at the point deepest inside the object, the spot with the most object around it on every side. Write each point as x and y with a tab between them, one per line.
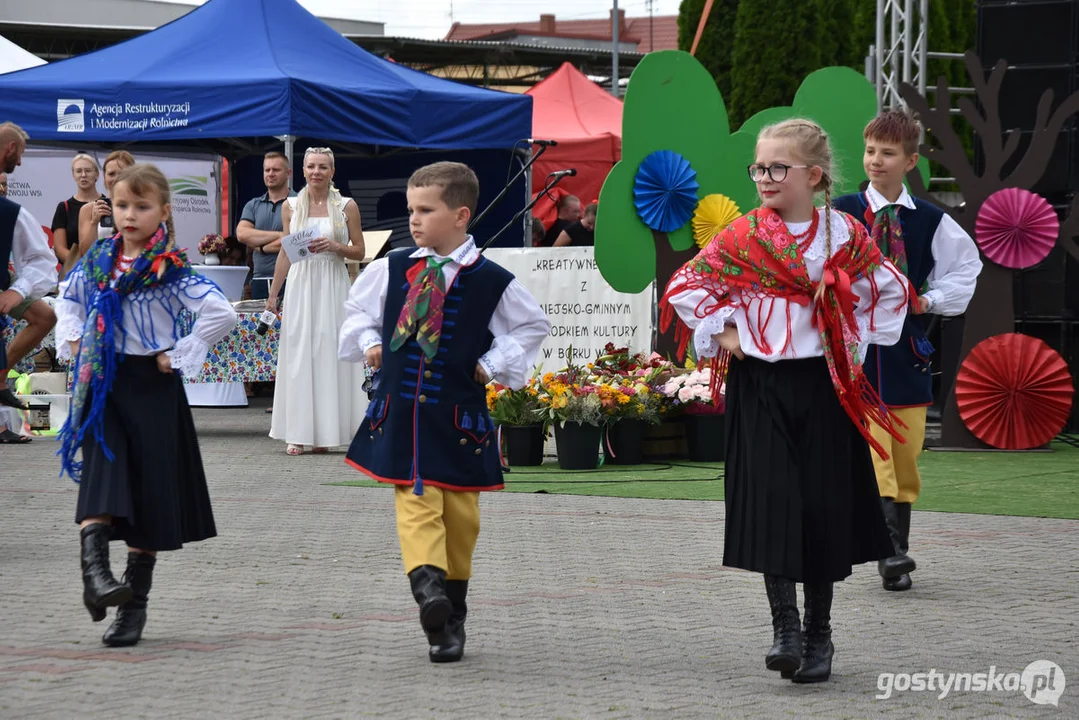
44	180
585	312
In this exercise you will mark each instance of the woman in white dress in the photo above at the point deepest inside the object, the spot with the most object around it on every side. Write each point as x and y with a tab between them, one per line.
318	401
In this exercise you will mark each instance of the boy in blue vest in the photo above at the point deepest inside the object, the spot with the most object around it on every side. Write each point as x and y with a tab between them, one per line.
439	323
942	264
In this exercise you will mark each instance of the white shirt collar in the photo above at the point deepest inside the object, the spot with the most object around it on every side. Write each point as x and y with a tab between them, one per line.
878	201
465	254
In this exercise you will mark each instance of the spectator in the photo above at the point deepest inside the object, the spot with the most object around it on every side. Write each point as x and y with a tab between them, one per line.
260	223
569	212
65	221
22	243
319	401
95	219
581	233
538	232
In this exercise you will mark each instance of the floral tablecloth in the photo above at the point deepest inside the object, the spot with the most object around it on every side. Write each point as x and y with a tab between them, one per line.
27	363
243	356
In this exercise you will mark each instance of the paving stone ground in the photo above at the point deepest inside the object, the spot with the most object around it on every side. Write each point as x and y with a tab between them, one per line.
580	608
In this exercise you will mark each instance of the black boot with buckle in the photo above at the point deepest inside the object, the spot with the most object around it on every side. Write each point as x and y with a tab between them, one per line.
126	629
449	646
899	563
818	650
786	653
903	582
99	588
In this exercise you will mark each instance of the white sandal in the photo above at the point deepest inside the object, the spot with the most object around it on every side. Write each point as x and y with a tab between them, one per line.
294	449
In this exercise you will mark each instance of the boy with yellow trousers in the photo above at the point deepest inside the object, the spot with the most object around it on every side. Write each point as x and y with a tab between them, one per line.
438	324
942	264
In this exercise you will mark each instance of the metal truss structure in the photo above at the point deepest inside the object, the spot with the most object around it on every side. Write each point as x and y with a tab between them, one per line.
900	53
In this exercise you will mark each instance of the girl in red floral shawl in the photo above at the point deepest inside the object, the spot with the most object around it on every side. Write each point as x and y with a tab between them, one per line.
788	297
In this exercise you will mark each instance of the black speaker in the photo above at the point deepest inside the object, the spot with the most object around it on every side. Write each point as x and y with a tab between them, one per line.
1040	41
1027	32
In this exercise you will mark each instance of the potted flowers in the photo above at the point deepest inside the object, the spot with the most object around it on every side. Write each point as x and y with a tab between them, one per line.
517	413
210	247
704	419
571	403
628	385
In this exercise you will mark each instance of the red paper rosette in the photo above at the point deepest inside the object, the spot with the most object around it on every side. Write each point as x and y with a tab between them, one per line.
1016	228
1014	392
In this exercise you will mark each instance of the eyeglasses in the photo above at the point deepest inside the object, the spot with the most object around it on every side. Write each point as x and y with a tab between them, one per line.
776	172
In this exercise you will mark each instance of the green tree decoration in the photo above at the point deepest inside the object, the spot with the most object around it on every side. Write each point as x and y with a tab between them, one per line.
672	103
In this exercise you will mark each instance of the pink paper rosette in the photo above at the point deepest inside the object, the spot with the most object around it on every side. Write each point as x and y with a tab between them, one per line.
1016	228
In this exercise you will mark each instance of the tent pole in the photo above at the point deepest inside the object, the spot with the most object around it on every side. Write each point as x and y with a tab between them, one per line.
614	49
289	141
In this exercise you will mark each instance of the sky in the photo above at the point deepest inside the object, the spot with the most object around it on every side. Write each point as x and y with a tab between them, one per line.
432	18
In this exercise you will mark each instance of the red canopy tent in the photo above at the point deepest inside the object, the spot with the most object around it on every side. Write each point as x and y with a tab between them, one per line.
587	123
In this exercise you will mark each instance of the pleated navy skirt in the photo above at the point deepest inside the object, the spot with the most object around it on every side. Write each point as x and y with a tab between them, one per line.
155	489
801	494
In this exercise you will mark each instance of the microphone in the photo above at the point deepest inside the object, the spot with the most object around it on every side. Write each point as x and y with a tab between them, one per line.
544	143
563	173
266	321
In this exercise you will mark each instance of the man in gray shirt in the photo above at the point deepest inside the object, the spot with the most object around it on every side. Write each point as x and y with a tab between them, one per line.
260	224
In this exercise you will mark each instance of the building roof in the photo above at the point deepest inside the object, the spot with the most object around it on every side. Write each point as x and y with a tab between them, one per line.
119	17
656	33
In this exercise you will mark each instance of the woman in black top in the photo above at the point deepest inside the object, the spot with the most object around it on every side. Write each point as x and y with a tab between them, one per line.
65	222
582	232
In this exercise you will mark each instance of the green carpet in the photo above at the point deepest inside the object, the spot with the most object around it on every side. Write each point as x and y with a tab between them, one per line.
1038	484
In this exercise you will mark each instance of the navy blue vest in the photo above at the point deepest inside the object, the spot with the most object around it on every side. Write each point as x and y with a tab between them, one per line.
429	420
901	373
9	215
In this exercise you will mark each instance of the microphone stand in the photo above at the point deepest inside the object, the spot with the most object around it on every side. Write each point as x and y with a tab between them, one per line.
550	184
535	156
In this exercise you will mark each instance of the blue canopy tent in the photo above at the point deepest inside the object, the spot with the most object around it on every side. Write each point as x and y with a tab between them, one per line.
236	76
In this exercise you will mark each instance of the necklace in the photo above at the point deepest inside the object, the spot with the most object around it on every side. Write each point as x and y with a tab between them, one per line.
806	238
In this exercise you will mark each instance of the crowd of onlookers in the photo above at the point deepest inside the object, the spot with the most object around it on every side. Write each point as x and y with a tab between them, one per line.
573	226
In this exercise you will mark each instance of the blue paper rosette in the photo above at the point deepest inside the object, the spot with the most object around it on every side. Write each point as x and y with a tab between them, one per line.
665	191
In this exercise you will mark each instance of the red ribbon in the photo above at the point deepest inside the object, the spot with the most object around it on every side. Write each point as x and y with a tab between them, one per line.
169	257
839	281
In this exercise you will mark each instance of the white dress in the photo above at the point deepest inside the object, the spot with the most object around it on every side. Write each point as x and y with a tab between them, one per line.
318	400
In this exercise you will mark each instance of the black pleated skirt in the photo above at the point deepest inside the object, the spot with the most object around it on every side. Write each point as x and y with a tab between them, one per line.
801	494
155	489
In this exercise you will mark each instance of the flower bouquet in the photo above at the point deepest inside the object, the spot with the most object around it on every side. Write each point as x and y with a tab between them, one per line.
521	423
210	246
704	415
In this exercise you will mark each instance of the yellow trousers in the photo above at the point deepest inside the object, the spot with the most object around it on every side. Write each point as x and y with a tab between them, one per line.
898	477
438	528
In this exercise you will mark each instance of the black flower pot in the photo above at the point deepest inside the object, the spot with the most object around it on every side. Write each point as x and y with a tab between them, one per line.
706	437
578	445
523	444
624	442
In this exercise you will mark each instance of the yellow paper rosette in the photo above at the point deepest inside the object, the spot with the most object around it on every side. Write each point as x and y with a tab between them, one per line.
714	213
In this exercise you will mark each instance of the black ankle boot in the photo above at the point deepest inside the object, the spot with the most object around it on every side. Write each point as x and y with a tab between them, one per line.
786	653
126	629
449	646
902	582
898	564
99	588
818	650
429	589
